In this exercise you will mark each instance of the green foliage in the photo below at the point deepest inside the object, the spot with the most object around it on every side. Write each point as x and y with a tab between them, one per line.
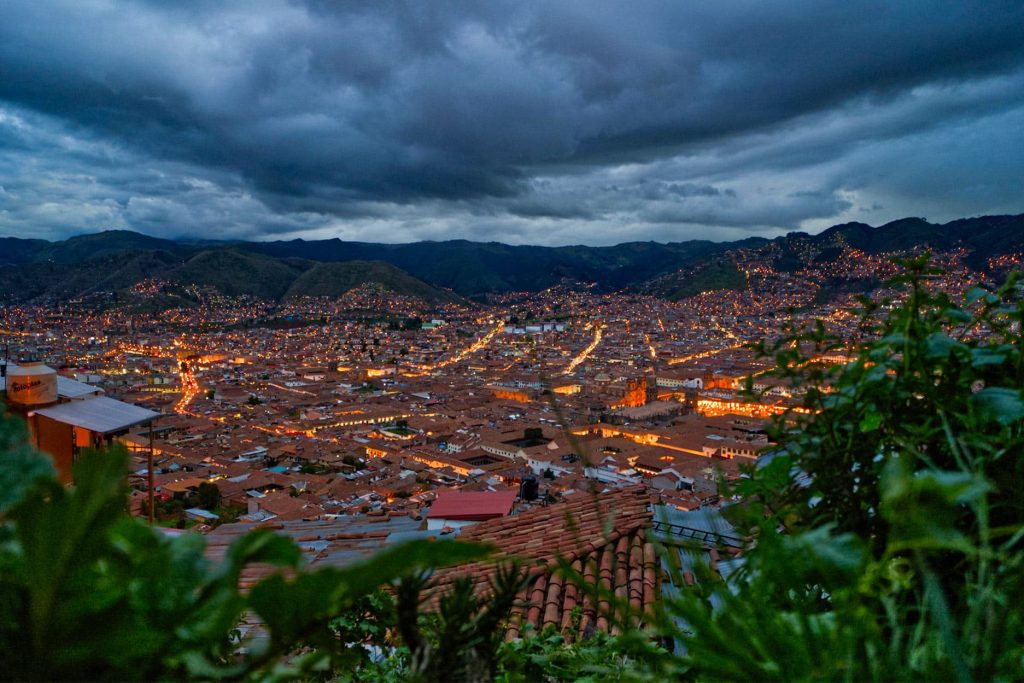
87	592
940	383
207	496
368	622
405	324
548	657
461	639
22	467
889	522
886	528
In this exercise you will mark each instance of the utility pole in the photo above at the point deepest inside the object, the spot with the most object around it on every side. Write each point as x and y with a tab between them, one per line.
149	476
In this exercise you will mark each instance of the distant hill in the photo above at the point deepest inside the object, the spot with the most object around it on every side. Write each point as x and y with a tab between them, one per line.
334	279
230	270
715	274
59	281
274	270
234	272
85	247
17	250
471	268
983	237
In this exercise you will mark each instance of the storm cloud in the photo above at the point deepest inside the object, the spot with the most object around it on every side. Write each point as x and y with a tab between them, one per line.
546	122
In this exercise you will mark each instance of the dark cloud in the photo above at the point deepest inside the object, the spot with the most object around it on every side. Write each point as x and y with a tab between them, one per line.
538	122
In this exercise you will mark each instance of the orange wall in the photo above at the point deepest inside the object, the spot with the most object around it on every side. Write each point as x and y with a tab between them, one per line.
57	439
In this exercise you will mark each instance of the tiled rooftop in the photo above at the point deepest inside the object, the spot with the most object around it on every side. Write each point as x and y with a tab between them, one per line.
602	537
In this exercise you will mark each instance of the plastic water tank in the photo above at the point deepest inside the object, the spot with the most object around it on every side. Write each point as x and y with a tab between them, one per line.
31	384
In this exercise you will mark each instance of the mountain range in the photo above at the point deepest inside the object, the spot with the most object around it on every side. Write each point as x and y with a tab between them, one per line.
438	272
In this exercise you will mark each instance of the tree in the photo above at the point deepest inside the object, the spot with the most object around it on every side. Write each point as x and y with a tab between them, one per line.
207	496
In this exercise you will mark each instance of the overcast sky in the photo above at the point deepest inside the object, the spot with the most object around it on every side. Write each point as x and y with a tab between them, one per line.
547	123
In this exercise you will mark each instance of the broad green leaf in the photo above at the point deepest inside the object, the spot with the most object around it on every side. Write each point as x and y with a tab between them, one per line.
999	404
65	530
923	507
260	545
871	421
958	315
984	356
940	345
975	293
21	466
20	470
290	608
820	551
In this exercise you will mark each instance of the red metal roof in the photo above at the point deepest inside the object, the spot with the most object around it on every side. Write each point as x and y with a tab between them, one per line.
472	505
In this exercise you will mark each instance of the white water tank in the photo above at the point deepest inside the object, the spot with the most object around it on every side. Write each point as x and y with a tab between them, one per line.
31	384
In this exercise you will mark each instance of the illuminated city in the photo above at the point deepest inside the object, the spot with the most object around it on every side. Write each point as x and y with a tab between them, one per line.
500	342
372	400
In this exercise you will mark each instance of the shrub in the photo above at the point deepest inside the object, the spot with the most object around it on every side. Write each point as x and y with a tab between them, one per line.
889	519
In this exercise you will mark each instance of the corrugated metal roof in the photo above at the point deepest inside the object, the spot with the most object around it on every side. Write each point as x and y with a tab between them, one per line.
72	388
101	414
66	388
704	524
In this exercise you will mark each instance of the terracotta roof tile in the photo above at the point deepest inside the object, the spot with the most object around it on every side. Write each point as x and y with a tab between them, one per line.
602	537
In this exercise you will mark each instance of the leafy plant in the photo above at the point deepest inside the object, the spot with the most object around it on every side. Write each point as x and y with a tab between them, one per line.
87	592
888	523
547	656
460	639
886	526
